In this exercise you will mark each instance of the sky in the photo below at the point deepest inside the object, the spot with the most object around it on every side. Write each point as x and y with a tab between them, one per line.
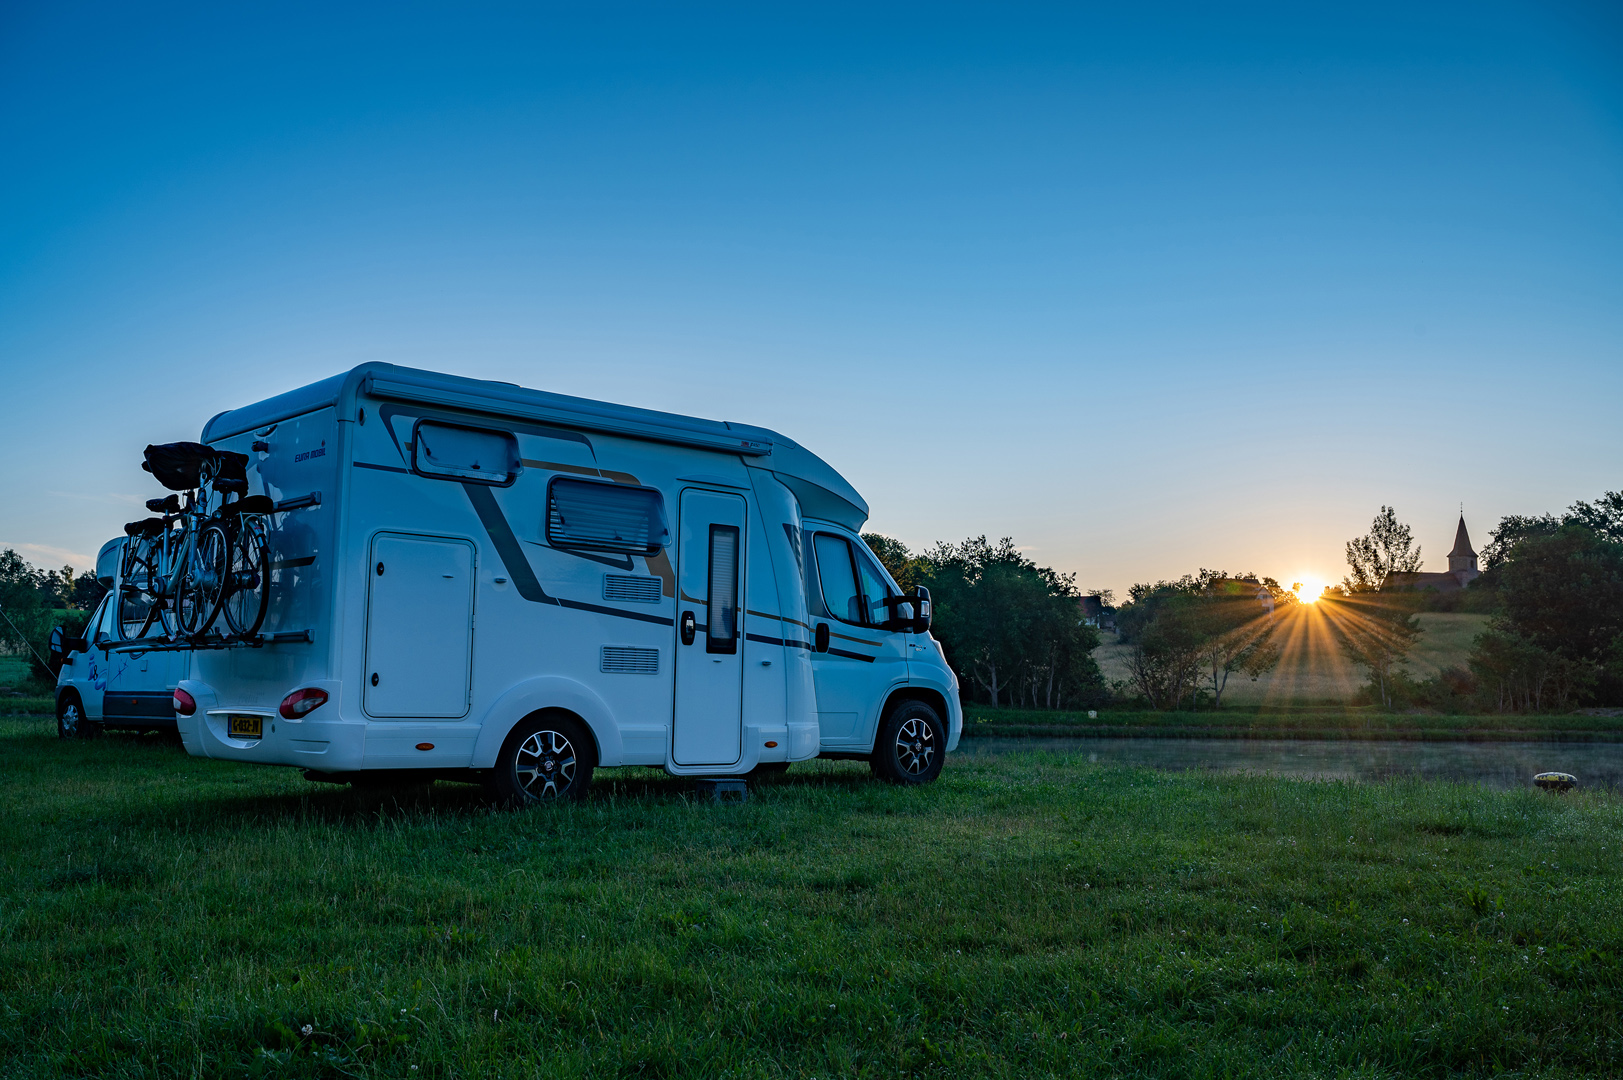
1147	288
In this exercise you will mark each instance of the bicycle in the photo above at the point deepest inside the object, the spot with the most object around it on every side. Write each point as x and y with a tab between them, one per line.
184	568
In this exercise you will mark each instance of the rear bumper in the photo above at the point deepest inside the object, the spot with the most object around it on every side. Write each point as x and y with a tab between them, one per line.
325	744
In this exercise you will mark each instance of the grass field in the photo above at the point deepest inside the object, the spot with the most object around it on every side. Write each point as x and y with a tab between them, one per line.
1312	669
1324	722
1031	915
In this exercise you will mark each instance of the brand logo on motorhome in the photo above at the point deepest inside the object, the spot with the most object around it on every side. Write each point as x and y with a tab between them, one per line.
308	454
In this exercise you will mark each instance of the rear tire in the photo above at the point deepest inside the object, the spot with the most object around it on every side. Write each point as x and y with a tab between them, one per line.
546	758
137	588
911	745
202	583
247	589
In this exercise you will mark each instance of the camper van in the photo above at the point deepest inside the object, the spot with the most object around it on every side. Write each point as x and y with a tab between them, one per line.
472	580
107	682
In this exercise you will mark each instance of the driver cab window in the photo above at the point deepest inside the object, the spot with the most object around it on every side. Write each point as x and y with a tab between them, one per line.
854	590
839	580
874	592
101	625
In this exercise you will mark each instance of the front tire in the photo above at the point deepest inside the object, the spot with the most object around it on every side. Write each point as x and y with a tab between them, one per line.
70	719
548	758
911	746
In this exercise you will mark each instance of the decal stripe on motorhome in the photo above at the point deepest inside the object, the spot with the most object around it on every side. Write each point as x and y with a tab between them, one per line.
381	468
518	567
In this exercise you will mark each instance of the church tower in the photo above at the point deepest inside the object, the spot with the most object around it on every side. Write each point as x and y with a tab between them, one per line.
1462	560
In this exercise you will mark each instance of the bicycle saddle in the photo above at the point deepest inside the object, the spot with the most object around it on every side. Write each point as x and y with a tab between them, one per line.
169	505
179	465
230	486
144	527
250	504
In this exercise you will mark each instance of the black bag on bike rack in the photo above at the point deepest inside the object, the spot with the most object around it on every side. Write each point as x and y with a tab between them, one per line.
178	465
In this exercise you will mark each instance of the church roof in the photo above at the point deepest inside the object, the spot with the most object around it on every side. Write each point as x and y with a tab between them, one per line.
1462	543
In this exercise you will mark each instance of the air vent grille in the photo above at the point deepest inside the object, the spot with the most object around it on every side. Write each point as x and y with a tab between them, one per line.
629	660
631	590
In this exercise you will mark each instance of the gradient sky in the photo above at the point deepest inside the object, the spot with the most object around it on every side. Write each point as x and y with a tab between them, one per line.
1146	292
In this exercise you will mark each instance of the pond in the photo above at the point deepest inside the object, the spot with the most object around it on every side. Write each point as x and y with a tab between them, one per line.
1496	764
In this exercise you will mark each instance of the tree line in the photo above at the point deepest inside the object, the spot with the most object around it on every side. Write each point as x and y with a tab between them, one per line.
1012	630
34	600
1553	587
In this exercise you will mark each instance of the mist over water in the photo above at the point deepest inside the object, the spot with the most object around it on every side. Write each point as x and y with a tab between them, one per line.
1496	764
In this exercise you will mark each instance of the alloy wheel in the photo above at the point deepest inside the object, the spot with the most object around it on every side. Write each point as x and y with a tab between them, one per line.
545	765
915	745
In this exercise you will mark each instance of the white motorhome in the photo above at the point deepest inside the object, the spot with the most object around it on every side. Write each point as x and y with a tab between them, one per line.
489	582
103	681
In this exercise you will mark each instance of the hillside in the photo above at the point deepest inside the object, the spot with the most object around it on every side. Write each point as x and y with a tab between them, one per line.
1313	669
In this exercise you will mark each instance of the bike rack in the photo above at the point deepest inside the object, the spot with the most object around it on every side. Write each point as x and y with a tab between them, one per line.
280	637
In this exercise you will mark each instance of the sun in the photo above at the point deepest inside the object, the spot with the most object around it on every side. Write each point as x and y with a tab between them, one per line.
1308	588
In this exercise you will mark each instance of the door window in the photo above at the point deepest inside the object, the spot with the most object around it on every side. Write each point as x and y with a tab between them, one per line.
721	632
838	576
101	623
874	591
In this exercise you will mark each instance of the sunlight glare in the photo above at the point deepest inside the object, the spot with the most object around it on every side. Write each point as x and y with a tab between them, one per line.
1308	589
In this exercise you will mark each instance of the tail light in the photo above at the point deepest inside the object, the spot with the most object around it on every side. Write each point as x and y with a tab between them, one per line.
185	704
302	701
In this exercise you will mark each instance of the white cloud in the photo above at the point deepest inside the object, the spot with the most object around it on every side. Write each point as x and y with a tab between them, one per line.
53	557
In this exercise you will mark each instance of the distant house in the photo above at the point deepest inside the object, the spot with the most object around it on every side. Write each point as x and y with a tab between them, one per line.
1245	586
1096	614
1461	571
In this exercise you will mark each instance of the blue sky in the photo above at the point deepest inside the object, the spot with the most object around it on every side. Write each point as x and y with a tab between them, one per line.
1147	291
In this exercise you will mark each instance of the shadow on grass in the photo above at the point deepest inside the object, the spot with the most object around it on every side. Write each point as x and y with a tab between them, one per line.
620	788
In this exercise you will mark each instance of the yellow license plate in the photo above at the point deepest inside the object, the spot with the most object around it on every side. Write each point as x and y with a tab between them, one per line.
245	727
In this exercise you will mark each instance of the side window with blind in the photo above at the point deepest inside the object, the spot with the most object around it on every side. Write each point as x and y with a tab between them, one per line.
721	632
594	515
451	452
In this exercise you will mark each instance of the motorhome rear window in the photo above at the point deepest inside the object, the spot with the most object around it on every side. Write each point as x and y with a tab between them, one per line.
600	516
463	453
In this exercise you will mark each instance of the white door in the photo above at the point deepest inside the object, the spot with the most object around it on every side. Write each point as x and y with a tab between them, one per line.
855	673
419	626
709	713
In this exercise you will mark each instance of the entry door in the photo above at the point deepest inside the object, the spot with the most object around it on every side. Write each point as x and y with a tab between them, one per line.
709	719
419	627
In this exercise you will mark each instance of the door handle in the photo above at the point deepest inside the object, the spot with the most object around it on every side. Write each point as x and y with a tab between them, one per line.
820	638
690	627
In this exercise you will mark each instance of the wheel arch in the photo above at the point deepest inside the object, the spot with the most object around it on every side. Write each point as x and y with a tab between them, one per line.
929	696
67	693
547	711
536	696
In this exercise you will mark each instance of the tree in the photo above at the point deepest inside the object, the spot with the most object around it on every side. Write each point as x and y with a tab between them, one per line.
1375	633
1238	633
1388	548
1163	625
1009	626
903	565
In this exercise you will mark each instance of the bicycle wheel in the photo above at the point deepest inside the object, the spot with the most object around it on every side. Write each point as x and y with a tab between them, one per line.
171	568
247	592
137	604
202	582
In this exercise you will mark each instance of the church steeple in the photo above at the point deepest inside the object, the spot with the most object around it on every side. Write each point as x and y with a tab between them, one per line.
1462	557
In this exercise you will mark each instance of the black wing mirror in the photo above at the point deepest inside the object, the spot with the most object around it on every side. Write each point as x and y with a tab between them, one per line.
917	621
62	646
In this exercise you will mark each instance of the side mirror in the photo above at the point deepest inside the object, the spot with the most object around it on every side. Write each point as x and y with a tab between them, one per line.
917	621
921	610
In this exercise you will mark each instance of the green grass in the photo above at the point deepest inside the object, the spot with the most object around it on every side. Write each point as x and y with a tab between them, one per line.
1032	915
1333	722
